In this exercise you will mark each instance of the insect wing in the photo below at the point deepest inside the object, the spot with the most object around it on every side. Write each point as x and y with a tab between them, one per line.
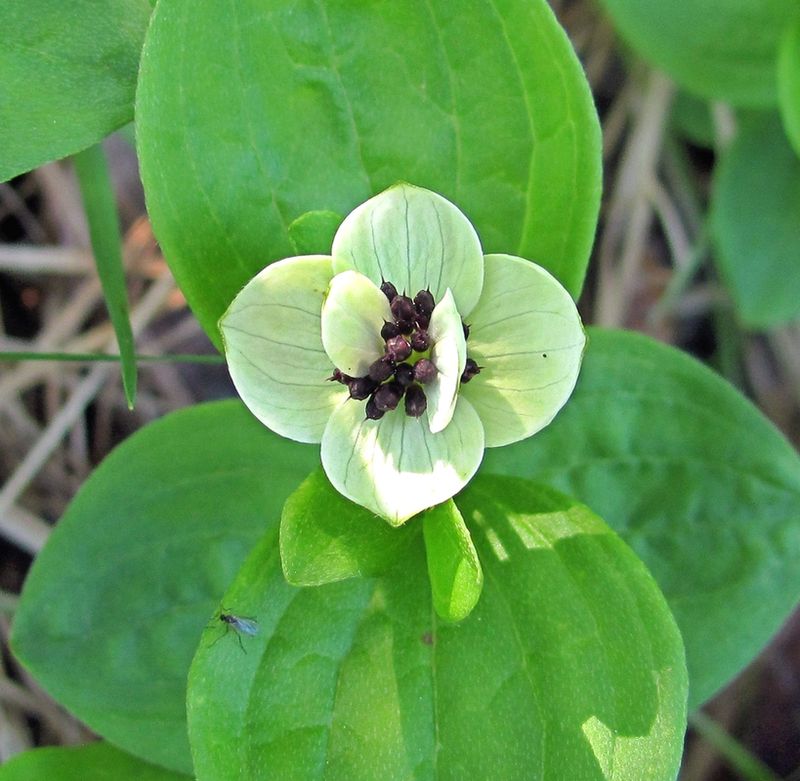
247	626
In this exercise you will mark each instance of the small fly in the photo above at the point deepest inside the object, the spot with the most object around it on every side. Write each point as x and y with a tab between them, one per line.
241	625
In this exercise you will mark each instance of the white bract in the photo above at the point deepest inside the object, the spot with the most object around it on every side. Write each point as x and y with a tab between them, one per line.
402	396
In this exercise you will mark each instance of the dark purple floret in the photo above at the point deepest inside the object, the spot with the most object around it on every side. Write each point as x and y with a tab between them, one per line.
389	290
381	369
388	396
403	309
423	321
424	302
404	374
424	370
339	376
405	326
361	387
470	370
416	403
389	330
372	411
397	349
420	341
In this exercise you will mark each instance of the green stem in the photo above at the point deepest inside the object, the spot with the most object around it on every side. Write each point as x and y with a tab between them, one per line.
728	357
93	357
682	277
747	766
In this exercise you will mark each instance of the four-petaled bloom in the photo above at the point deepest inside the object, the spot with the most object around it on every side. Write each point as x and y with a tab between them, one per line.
405	352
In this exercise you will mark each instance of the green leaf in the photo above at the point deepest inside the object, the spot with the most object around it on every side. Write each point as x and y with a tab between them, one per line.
789	82
69	75
453	567
253	113
754	217
114	605
312	233
128	133
692	118
325	537
570	666
95	762
694	478
725	52
101	213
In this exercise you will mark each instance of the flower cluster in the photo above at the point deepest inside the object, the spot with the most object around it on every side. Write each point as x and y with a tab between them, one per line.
333	349
404	368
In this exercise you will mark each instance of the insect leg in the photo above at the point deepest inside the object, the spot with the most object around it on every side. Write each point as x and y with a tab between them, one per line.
224	632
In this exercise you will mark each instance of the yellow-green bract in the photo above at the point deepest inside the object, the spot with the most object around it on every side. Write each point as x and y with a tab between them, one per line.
304	320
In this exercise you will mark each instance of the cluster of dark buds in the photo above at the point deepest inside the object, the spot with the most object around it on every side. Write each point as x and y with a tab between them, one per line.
403	369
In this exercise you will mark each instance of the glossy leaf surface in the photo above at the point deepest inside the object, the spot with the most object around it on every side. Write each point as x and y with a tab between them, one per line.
69	74
95	762
114	606
570	666
754	218
325	537
312	233
253	113
789	82
453	566
694	478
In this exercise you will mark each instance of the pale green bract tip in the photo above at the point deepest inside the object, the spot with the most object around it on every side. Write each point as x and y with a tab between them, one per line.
273	347
449	356
395	466
352	316
527	335
416	240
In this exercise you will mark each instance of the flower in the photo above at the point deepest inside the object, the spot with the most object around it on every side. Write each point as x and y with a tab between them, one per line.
405	352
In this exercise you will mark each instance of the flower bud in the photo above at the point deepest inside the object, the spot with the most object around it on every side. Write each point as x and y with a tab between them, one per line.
389	290
388	396
470	370
397	349
423	321
389	330
381	369
403	309
420	341
424	303
371	410
416	403
404	374
339	376
361	387
425	370
405	326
